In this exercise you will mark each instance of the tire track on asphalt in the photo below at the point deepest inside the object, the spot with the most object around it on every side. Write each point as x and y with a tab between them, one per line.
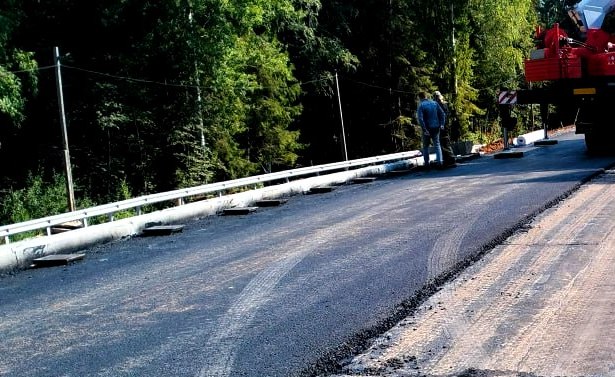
118	294
224	341
444	253
427	335
128	297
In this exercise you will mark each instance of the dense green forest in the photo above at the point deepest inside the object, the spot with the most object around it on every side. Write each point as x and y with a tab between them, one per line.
162	94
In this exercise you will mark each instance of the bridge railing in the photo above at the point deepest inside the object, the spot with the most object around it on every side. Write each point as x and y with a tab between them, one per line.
179	196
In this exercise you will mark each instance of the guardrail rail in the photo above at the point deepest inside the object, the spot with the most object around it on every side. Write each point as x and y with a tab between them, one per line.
180	195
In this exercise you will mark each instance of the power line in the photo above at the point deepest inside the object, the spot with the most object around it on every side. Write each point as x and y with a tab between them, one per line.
378	87
32	69
144	81
126	78
314	81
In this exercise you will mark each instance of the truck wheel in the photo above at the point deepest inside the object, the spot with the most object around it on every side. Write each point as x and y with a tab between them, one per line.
598	143
598	134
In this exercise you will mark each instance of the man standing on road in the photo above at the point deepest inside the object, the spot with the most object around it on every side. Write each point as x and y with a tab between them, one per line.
445	141
431	118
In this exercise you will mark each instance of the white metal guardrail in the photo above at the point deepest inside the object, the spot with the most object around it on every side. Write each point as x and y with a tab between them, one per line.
180	195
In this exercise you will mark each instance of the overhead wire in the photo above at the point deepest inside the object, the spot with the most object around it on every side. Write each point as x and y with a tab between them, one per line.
377	86
171	84
32	69
125	78
145	81
138	80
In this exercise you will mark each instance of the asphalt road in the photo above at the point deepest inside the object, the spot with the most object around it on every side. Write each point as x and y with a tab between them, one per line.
283	291
539	304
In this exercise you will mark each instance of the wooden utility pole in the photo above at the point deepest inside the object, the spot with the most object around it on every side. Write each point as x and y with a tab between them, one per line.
69	174
339	101
455	84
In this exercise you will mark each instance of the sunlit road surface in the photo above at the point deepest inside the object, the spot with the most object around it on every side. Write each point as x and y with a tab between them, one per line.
541	304
283	291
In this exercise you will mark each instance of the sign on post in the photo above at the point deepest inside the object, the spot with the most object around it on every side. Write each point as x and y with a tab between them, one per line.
507	97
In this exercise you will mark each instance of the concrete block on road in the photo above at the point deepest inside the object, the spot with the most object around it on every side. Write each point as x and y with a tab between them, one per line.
320	189
238	211
56	260
363	179
545	142
161	230
270	202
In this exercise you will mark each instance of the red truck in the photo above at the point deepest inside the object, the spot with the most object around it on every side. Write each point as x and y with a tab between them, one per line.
573	68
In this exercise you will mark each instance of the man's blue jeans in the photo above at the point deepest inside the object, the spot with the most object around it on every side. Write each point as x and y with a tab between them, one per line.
433	136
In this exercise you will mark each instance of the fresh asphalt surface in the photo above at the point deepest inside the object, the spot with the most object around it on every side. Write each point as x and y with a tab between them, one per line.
282	291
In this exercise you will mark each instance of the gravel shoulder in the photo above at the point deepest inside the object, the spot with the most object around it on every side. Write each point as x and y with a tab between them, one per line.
540	304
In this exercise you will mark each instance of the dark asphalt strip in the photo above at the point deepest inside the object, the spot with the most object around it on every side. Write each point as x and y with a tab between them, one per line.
332	361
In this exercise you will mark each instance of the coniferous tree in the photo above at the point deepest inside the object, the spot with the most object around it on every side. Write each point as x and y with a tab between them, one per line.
18	88
18	76
503	39
491	39
160	95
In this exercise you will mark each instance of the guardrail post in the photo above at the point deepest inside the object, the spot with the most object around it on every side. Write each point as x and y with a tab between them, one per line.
7	240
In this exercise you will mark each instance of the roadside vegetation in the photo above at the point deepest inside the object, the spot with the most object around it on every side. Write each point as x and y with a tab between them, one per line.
160	95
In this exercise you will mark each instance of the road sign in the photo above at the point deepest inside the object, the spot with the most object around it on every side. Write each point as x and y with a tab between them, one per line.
507	97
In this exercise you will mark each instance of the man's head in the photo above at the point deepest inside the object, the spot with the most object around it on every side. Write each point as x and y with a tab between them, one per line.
422	95
438	96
